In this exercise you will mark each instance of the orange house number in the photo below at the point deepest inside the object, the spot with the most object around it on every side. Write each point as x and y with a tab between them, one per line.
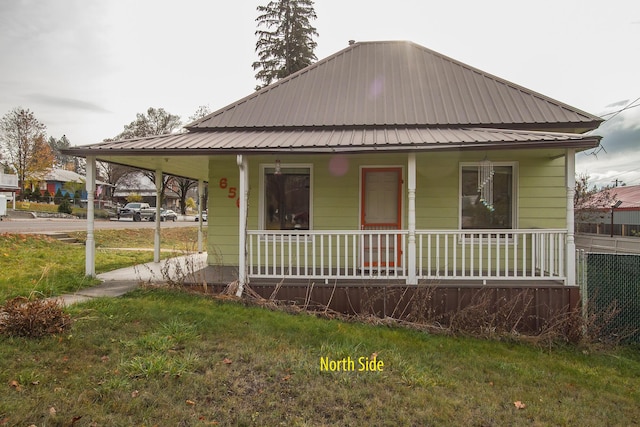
233	192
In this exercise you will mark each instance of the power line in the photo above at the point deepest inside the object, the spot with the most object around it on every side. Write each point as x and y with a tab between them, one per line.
615	113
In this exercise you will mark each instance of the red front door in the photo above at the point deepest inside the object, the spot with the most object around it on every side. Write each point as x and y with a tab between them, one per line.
381	209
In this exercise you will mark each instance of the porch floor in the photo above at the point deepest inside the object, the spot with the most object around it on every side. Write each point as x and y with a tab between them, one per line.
216	275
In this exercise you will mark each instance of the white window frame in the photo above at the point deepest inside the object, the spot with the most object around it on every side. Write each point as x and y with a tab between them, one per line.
261	199
514	192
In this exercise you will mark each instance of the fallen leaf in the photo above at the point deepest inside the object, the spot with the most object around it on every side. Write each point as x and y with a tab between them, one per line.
373	356
227	361
4	421
491	383
75	420
135	393
190	402
519	405
52	411
35	382
287	378
105	358
14	384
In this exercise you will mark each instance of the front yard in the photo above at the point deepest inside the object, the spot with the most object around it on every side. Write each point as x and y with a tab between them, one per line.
160	357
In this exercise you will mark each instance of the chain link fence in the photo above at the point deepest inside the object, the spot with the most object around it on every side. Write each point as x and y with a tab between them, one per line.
608	282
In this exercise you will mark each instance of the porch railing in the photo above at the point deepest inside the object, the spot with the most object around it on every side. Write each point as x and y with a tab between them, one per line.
382	254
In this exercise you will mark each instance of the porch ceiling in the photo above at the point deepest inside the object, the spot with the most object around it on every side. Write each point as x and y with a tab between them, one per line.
193	167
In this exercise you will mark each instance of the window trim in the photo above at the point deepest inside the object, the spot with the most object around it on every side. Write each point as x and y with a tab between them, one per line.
262	189
514	191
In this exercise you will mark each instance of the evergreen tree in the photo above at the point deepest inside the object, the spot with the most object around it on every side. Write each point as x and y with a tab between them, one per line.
285	44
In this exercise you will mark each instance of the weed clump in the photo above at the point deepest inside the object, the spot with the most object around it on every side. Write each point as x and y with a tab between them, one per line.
32	318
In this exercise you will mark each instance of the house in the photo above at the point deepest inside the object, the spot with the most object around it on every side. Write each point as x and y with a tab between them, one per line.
384	162
622	218
139	184
8	186
68	181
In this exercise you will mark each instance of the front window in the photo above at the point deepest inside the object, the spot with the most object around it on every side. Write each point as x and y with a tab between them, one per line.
478	213
287	198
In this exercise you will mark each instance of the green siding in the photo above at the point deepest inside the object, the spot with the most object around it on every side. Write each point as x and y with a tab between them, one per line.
541	192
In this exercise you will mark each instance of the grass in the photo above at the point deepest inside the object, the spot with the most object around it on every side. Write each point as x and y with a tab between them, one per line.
162	357
179	239
36	263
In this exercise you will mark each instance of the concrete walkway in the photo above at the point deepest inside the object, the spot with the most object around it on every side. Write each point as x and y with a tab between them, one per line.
119	282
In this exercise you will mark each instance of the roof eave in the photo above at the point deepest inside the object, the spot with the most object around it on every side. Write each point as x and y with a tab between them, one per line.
578	144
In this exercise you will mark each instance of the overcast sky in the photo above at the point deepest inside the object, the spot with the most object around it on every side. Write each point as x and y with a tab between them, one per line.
85	68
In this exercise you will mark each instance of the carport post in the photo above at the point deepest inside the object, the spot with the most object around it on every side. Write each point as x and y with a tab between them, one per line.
242	228
411	243
90	245
200	191
156	240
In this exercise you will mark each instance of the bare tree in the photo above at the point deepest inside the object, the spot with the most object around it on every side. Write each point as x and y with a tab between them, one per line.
589	202
155	122
24	147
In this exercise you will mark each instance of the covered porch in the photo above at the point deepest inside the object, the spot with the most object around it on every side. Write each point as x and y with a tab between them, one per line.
424	140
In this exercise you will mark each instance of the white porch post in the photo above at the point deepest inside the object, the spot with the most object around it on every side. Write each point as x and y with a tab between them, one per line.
242	223
570	172
411	244
156	240
200	191
90	245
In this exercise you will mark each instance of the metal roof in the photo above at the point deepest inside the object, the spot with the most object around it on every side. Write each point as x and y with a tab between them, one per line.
396	83
63	175
628	195
336	140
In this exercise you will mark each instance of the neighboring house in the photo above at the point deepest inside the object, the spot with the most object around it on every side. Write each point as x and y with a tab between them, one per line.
384	162
140	184
625	216
9	186
66	181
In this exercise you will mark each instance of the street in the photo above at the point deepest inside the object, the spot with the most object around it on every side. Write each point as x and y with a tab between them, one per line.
54	225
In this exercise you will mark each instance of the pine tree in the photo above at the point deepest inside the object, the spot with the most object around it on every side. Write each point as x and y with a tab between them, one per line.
285	44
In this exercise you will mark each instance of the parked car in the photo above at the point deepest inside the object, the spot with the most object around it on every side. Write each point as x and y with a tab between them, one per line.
165	215
136	210
204	216
168	215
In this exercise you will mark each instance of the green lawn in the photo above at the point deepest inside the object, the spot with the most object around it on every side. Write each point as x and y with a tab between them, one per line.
160	357
31	262
165	357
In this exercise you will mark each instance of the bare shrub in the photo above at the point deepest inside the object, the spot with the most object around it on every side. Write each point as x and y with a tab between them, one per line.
587	327
24	317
